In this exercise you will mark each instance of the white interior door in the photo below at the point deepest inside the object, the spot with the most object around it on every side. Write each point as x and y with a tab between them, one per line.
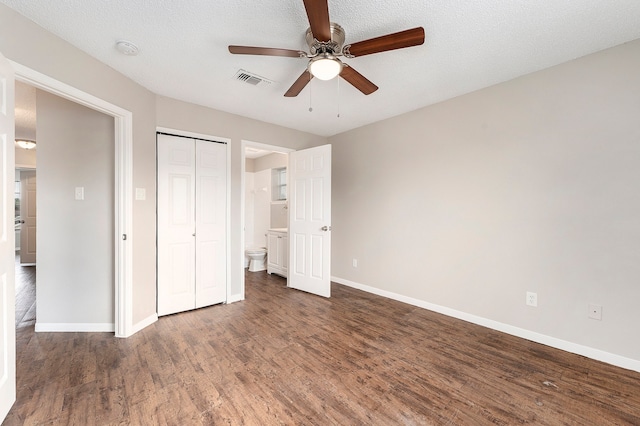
7	242
176	225
211	223
310	220
28	217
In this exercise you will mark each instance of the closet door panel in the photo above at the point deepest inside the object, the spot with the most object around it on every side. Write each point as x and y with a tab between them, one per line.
211	211
176	224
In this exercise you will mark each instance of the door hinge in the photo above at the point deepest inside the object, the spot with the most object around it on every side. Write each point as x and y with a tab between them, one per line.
124	237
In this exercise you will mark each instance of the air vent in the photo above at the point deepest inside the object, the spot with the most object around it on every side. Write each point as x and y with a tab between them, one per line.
252	79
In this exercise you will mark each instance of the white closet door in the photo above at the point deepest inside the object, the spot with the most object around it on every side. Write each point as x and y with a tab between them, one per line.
211	211
176	224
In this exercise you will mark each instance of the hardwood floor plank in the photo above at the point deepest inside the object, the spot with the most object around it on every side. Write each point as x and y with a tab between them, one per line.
284	357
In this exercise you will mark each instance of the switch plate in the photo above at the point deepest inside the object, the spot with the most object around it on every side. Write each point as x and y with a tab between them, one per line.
79	192
532	299
354	263
595	312
141	194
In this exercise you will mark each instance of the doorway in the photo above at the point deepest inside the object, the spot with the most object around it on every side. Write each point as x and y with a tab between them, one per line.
25	266
123	135
307	239
264	202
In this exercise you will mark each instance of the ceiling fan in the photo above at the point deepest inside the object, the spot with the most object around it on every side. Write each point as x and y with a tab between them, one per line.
326	45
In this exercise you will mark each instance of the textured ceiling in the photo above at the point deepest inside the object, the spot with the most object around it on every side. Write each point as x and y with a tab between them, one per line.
25	111
469	45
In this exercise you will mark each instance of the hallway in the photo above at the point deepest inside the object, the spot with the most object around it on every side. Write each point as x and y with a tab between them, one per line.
25	295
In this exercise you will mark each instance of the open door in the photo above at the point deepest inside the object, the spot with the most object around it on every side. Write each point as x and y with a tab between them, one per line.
310	220
28	217
7	242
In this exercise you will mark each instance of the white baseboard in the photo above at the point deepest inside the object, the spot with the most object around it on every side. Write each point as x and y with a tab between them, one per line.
144	323
597	354
51	327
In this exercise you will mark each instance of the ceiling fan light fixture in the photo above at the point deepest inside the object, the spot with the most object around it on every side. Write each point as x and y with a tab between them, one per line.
26	143
325	66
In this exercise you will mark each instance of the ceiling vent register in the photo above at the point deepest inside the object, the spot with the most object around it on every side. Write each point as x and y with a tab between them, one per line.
252	79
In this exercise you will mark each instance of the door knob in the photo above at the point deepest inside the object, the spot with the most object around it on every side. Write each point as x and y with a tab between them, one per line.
325	228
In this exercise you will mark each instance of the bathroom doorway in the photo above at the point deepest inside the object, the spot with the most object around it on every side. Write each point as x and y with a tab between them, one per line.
265	203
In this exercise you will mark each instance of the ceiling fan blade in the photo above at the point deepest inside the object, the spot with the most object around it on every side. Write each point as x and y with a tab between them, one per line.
399	40
299	84
269	51
357	80
318	14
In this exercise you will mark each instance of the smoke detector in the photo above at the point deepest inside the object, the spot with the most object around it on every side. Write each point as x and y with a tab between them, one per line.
127	48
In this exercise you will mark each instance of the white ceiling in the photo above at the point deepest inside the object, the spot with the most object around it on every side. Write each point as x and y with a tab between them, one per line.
25	107
470	44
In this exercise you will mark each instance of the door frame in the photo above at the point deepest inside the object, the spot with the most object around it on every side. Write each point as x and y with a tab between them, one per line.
244	144
227	143
123	173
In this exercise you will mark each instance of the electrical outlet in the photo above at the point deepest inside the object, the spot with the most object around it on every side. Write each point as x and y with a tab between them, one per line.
595	312
79	193
354	263
532	299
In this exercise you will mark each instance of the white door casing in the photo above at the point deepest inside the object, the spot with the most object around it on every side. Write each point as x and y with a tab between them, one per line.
192	223
7	241
176	225
123	235
211	210
28	217
310	220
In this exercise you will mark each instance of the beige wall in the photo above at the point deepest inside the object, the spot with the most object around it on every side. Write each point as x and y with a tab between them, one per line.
74	238
30	45
26	157
271	161
179	115
249	165
530	185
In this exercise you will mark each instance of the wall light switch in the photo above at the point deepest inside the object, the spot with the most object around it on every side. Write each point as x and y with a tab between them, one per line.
141	194
79	192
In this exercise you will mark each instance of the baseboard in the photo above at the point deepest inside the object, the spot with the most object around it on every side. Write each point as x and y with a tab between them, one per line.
144	323
597	354
51	327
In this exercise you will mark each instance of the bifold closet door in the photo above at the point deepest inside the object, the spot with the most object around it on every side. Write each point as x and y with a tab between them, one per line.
191	224
211	223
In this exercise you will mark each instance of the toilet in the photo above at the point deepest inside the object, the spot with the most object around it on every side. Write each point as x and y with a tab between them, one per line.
257	257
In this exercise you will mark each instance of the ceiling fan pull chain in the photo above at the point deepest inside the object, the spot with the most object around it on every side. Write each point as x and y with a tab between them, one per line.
338	97
310	105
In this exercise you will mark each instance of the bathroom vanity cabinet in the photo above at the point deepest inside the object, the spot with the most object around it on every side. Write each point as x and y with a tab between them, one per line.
277	251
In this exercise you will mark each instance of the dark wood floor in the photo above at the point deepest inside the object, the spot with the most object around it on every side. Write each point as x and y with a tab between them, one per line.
286	357
25	295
